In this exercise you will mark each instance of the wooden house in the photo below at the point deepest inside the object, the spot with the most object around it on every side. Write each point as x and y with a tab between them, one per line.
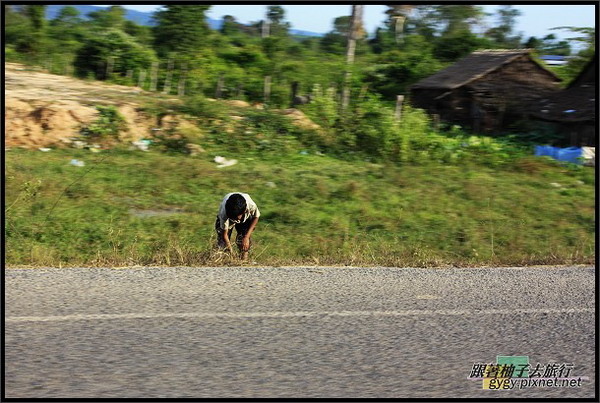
572	111
487	90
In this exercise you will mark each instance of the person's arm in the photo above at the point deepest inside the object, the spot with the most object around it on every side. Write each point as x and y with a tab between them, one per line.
246	239
227	241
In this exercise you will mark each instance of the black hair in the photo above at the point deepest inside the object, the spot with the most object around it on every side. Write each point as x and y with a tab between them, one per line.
235	205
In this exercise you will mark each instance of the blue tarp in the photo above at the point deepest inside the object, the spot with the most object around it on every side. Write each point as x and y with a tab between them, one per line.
552	57
570	154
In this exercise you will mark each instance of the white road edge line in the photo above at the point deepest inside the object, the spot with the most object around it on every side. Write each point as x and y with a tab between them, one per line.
298	314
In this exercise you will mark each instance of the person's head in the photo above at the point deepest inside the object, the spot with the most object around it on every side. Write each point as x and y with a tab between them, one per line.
235	206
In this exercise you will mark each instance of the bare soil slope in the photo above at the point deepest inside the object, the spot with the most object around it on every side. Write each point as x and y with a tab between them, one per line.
44	109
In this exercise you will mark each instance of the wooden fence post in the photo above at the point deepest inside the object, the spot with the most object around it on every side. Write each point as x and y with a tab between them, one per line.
220	83
109	66
153	76
142	79
436	121
363	92
294	93
167	86
267	89
337	96
182	78
398	112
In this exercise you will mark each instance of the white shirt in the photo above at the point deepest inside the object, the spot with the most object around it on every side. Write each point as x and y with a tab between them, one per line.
252	211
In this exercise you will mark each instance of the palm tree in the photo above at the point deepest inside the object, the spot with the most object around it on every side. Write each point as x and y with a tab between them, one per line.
356	31
398	15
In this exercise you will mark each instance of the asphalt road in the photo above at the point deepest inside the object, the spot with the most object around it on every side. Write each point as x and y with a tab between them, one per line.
291	332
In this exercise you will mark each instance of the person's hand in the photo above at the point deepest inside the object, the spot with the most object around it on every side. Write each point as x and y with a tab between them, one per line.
245	244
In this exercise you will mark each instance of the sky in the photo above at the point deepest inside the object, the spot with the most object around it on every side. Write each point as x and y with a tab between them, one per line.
535	20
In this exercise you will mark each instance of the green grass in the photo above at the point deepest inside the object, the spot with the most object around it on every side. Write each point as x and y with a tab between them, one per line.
322	210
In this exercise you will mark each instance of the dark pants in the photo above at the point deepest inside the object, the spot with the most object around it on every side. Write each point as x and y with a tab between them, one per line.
241	229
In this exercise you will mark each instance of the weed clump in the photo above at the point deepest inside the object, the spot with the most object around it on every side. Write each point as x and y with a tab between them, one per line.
108	124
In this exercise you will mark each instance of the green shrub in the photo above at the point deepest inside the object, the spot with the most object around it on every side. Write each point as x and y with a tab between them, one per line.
258	130
172	142
109	124
127	54
202	107
323	108
371	128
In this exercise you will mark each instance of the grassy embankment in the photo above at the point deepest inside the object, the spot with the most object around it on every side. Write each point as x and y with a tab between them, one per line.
316	209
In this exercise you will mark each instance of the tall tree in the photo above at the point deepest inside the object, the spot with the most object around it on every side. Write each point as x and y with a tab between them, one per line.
67	30
550	45
356	31
34	45
532	43
503	33
397	15
275	14
276	19
181	28
586	36
455	18
341	25
382	41
36	14
458	44
121	49
67	16
336	40
112	17
17	27
454	25
230	25
422	21
141	33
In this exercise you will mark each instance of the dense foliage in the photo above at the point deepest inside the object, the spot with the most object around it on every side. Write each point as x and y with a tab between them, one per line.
239	56
262	62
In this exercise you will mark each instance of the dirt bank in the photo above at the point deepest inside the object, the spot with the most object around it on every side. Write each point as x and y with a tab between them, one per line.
44	109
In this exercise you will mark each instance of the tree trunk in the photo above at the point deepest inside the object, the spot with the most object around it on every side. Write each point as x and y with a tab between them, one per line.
265	28
355	27
399	28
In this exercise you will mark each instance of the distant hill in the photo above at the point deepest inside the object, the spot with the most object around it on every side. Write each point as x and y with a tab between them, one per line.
138	17
304	33
142	18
